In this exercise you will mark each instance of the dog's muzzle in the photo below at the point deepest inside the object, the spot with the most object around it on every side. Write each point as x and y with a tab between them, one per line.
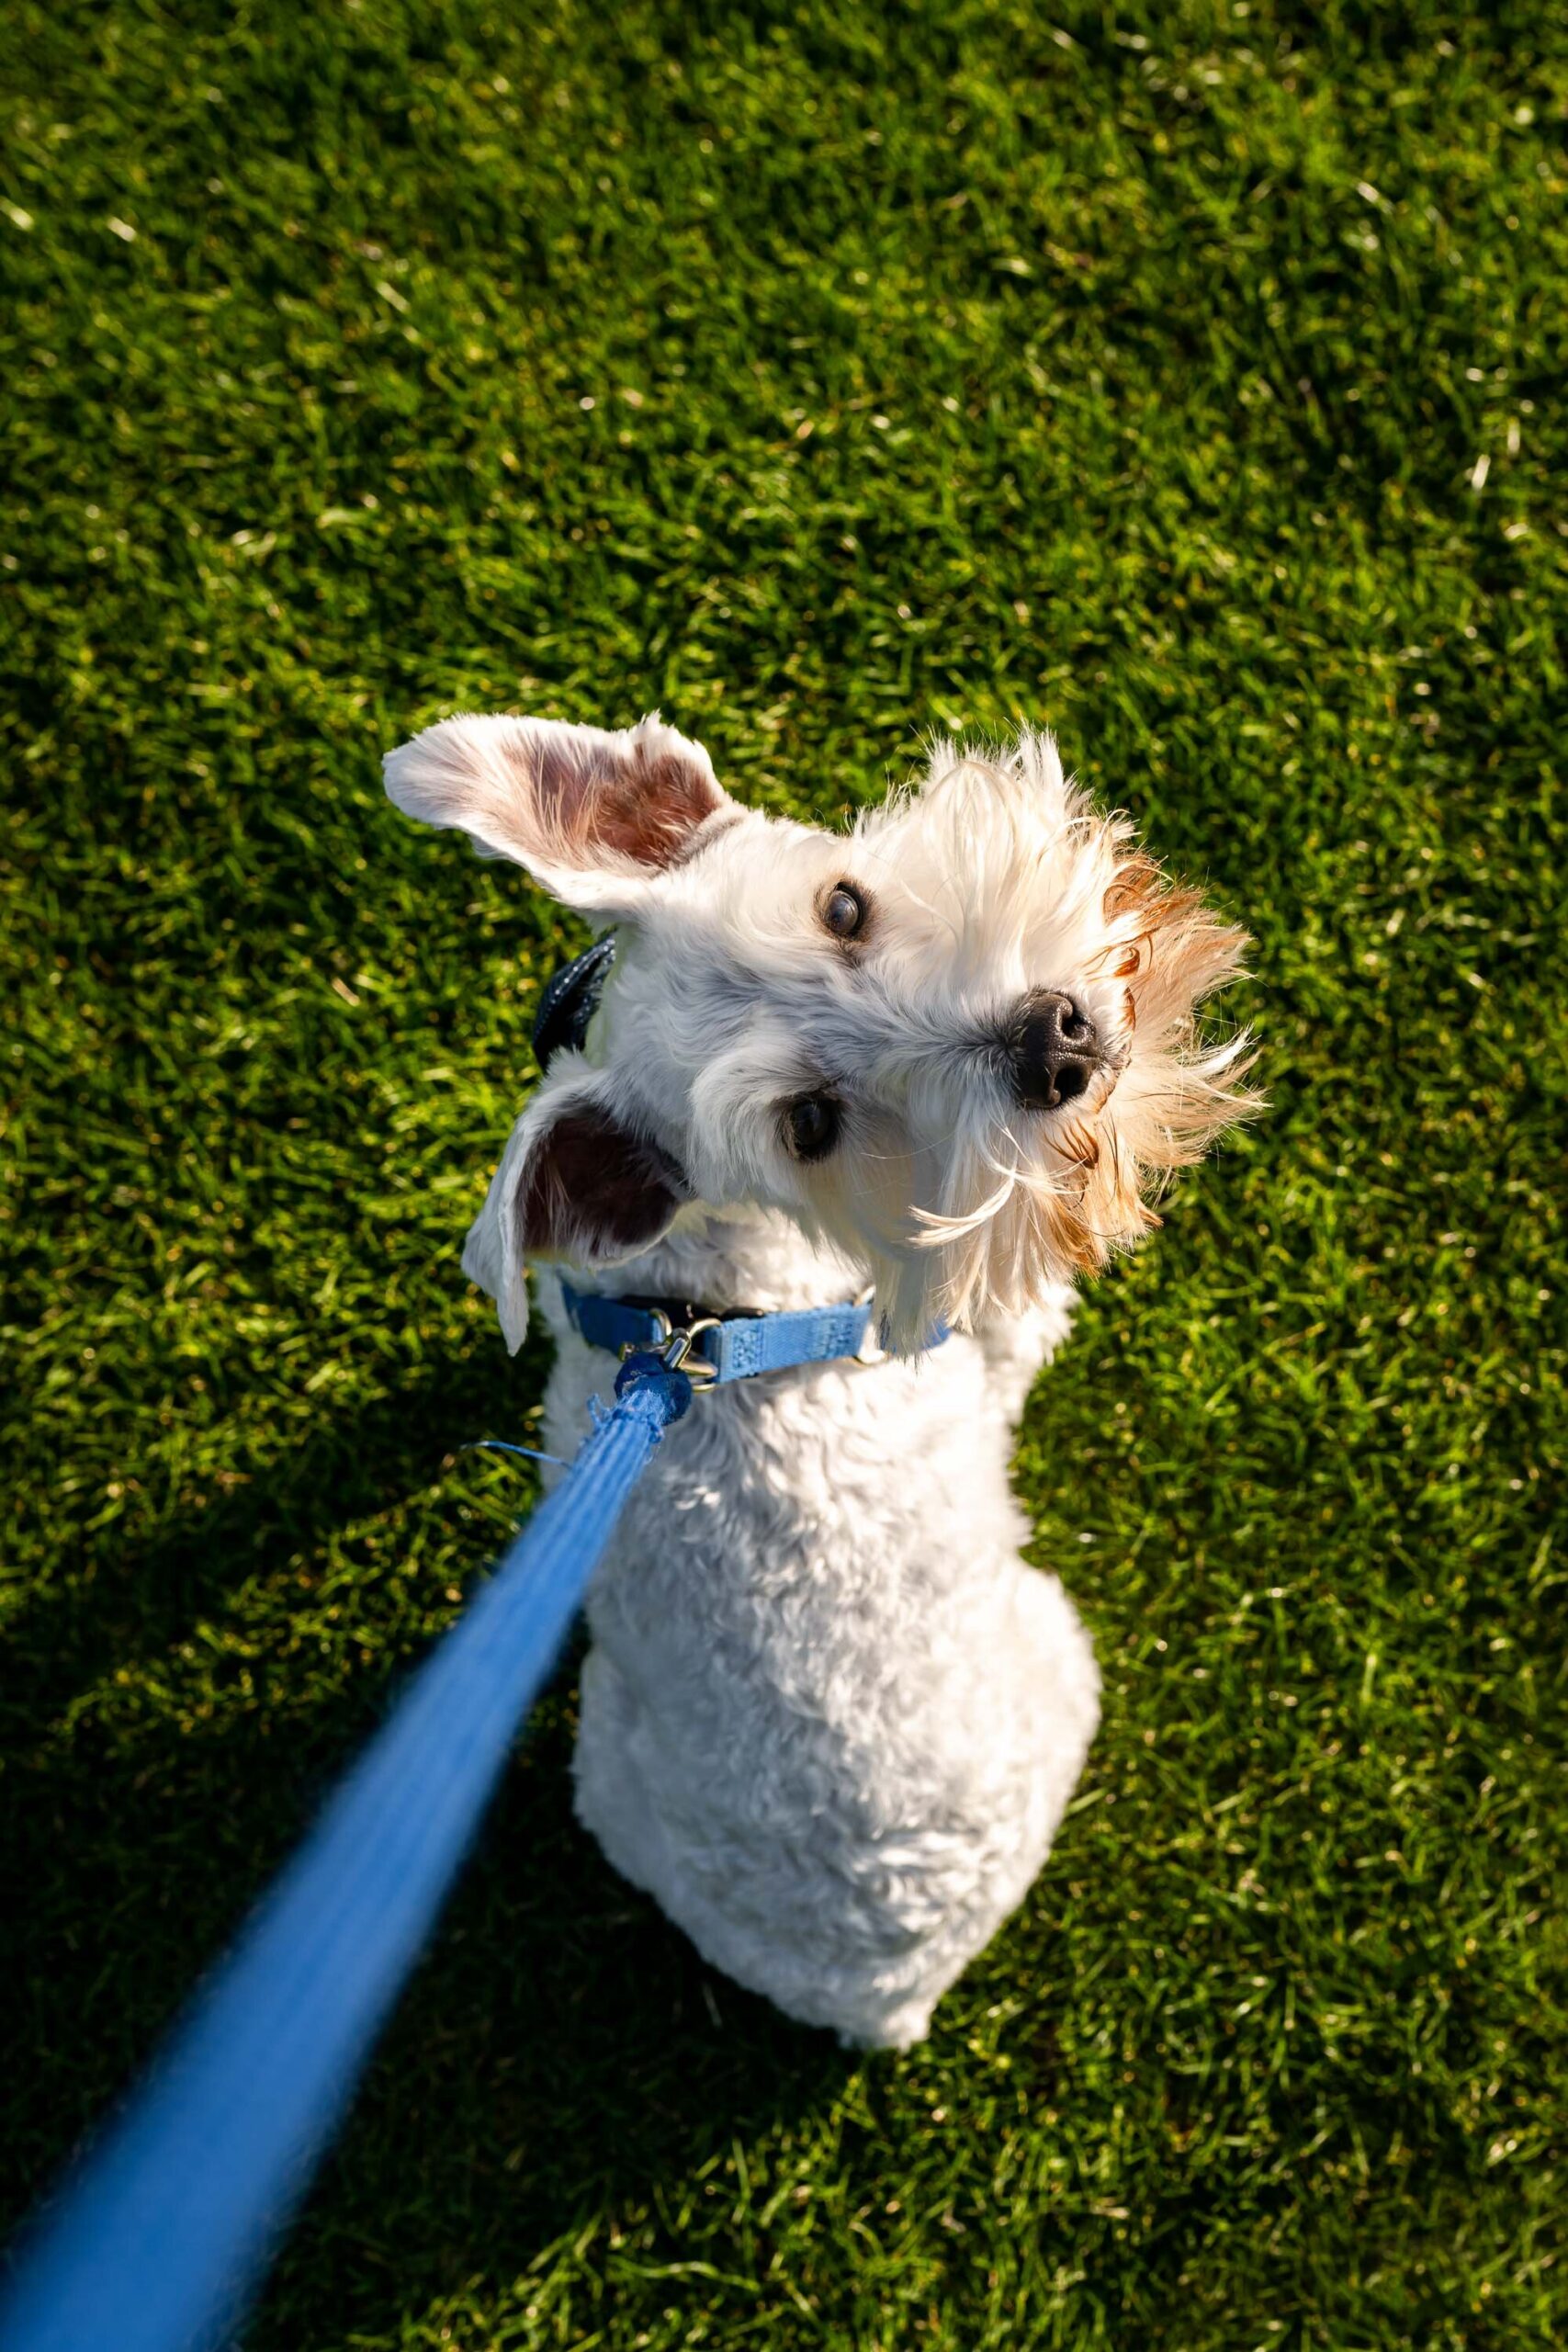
1053	1050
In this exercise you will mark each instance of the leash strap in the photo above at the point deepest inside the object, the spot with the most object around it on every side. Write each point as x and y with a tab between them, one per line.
732	1347
157	2242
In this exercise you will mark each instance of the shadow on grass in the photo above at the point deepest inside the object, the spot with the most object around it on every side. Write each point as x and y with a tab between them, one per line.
561	2048
121	1598
564	2050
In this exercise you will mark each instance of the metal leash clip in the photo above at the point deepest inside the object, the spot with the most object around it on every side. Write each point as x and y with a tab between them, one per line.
671	1343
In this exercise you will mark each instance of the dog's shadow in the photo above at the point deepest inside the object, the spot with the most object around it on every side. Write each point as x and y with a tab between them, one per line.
562	2050
120	1597
564	2053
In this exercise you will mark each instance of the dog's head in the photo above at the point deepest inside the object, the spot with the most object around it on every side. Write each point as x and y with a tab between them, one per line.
958	1042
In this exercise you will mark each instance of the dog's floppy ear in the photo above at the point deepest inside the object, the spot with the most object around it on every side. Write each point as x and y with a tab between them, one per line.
578	1181
583	809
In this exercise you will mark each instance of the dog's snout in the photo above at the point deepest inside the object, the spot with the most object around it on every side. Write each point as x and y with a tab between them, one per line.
1053	1050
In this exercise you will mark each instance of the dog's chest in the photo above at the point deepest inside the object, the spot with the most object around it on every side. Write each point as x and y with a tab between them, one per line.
811	1539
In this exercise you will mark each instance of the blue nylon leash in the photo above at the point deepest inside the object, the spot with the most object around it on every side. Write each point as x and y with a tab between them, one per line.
159	2239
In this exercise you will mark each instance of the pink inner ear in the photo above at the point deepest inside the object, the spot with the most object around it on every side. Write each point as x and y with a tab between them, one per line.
644	799
569	803
594	1189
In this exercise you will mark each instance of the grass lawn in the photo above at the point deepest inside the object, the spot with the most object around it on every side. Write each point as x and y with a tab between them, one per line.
1188	378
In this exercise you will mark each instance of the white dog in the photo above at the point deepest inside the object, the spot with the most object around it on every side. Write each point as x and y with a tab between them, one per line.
830	1719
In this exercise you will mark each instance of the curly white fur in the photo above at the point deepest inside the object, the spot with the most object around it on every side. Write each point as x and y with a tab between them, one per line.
831	1720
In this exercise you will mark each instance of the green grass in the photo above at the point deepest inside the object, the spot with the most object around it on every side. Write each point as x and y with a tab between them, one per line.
1188	378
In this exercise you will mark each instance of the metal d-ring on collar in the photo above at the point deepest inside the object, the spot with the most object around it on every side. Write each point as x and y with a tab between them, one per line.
671	1342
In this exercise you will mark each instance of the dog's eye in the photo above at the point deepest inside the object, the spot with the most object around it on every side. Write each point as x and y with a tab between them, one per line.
843	910
813	1124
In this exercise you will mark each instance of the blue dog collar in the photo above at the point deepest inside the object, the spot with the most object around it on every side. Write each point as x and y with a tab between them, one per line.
733	1347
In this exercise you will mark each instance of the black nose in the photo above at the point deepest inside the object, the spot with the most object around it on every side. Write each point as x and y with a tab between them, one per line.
1053	1049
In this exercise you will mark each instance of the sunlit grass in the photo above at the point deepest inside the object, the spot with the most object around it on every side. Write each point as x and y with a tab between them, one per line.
1188	378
